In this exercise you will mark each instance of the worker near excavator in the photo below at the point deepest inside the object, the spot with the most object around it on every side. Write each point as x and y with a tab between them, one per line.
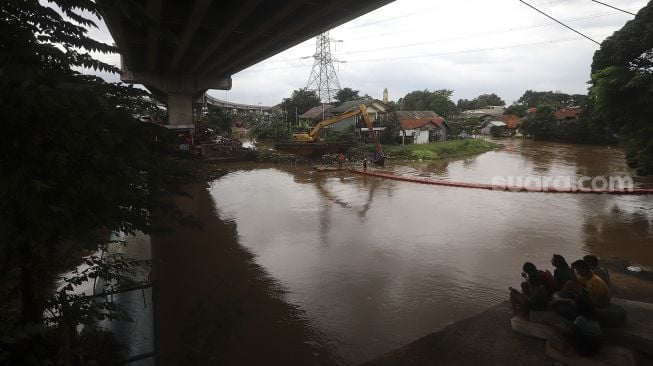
341	160
365	164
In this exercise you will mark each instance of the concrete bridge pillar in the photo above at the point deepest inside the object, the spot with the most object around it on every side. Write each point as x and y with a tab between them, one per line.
180	108
178	91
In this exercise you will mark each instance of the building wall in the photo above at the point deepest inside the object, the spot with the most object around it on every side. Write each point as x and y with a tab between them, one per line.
439	134
421	137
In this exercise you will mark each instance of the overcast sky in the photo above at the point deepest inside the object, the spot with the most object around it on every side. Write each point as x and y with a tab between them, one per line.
469	46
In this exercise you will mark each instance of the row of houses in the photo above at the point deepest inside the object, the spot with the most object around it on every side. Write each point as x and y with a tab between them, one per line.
509	123
420	127
417	127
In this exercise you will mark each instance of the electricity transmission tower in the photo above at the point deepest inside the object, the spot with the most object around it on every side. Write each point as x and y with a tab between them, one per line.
323	78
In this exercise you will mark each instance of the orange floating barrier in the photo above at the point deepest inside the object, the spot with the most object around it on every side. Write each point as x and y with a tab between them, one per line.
506	188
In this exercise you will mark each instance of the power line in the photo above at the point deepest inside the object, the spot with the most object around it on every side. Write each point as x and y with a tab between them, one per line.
557	21
476	35
614	7
474	50
467	51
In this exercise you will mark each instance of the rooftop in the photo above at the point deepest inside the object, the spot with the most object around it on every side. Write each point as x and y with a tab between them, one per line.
353	104
316	112
511	120
569	113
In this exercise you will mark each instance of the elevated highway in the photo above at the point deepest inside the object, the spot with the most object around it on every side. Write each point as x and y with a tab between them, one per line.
179	49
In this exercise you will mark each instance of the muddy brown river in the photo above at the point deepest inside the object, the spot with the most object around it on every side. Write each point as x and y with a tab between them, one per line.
360	265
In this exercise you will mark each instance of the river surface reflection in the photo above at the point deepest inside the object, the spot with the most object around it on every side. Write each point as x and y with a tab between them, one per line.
375	263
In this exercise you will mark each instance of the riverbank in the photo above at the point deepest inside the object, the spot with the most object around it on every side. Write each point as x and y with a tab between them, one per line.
488	339
437	150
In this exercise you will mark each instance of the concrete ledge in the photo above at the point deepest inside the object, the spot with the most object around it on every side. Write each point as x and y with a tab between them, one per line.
609	356
532	329
638	330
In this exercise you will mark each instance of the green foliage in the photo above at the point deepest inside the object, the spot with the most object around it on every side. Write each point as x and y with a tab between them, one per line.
437	150
218	121
542	125
532	98
480	102
458	125
74	159
393	106
299	102
247	119
275	129
346	94
517	109
622	88
349	134
438	101
392	128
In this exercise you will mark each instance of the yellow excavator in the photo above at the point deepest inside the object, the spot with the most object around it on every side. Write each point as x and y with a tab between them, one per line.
308	143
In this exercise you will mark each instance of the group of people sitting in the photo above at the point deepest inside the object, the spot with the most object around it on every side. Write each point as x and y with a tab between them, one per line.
574	292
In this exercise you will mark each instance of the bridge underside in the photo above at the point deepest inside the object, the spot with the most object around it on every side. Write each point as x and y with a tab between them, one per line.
178	48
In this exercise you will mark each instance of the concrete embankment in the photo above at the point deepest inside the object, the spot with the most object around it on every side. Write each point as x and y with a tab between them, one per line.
484	339
488	338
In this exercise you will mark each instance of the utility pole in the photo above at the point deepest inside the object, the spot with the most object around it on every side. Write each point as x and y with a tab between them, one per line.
323	78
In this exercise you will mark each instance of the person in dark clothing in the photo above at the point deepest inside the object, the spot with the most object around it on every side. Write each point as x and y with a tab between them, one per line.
534	294
583	333
545	276
562	272
603	274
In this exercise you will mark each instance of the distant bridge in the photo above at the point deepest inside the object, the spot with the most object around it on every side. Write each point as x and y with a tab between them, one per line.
179	49
206	100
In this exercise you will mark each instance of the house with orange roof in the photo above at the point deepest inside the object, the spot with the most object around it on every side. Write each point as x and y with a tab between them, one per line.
565	114
422	127
508	122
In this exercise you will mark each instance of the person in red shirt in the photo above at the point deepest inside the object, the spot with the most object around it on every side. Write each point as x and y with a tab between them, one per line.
341	160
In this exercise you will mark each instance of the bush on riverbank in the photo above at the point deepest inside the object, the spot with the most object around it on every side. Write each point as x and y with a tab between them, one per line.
437	150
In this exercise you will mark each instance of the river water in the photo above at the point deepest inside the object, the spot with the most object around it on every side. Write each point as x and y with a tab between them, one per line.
373	264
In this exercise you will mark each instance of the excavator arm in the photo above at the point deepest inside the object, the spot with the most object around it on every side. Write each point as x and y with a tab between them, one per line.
378	157
314	134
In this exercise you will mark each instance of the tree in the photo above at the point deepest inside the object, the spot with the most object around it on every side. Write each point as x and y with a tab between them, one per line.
438	101
74	160
516	109
299	102
480	102
459	124
276	128
346	94
621	93
393	106
532	98
542	125
217	121
392	128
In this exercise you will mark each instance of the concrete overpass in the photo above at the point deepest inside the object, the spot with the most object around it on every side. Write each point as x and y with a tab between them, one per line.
179	49
206	100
